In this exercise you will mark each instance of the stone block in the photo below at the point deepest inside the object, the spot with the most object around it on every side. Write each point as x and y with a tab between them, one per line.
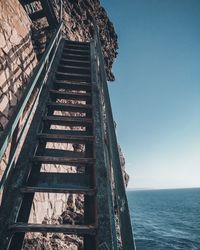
13	99
4	102
3	122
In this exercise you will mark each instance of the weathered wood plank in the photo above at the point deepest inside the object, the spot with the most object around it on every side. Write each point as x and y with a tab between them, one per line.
65	138
69	132
77	51
37	15
59	180
76	43
68	121
74	69
76	57
68	229
74	62
63	160
70	96
70	107
82	86
52	189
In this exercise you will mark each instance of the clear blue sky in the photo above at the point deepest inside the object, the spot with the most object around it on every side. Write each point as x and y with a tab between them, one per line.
156	95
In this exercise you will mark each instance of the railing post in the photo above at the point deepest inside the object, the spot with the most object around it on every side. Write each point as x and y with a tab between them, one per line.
61	10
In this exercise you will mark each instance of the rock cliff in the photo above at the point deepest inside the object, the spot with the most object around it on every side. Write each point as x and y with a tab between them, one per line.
17	57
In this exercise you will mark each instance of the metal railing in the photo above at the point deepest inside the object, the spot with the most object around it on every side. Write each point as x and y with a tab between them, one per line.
126	234
61	11
34	88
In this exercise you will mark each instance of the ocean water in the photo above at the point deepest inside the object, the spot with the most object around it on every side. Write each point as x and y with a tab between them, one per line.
166	219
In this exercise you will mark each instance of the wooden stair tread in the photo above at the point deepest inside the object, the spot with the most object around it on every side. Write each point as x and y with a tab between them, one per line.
77	50
76	43
60	180
70	95
69	132
75	67
72	74
51	189
27	1
53	91
37	15
75	55
65	138
70	107
64	228
72	85
72	119
84	47
63	160
75	61
68	121
55	152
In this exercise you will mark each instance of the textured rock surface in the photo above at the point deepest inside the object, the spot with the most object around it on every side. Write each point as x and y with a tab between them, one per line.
17	60
52	242
17	57
123	165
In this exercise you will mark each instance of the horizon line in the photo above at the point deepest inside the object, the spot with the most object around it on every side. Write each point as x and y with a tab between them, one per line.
149	189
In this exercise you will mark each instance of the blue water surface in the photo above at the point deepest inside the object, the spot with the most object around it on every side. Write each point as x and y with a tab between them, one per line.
166	219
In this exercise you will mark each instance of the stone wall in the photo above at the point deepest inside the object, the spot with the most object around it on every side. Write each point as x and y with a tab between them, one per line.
17	61
17	57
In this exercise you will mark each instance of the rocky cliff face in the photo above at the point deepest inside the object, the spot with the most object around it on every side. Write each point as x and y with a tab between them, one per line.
17	60
17	57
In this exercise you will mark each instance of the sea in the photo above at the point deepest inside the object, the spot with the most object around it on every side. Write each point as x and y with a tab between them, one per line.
165	219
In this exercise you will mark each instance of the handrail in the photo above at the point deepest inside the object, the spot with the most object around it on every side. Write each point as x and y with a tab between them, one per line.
121	199
11	127
61	10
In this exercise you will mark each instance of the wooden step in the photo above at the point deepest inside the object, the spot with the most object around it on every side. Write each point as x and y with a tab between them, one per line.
68	121
77	47
60	180
74	62
76	51
65	138
63	153
76	43
69	132
52	189
37	15
24	2
82	108
73	76
63	84
75	57
48	228
64	160
70	95
74	69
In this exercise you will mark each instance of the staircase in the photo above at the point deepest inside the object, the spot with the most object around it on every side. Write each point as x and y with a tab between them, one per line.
71	106
38	9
